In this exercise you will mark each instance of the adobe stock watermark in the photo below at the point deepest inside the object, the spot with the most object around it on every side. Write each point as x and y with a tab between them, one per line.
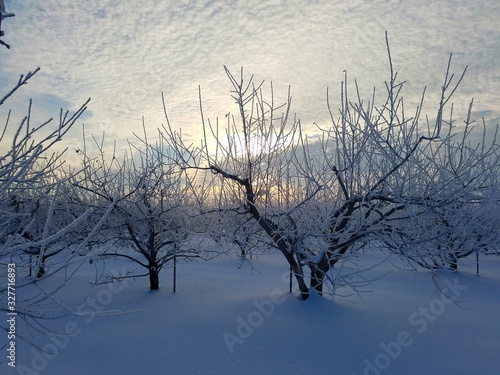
420	320
246	327
89	309
263	310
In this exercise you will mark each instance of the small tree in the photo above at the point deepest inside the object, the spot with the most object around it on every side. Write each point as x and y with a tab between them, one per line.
30	178
148	225
460	215
30	182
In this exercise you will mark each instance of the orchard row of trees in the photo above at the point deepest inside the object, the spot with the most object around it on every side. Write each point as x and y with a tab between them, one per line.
377	176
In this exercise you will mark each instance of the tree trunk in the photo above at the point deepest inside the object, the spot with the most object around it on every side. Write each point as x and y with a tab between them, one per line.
41	272
453	262
154	281
271	229
318	272
41	267
299	276
317	278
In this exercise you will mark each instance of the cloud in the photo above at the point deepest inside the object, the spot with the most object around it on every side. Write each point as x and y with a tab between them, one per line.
123	54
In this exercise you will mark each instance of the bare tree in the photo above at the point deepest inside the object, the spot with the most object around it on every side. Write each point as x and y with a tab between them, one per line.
28	171
149	225
394	173
372	151
30	182
255	156
460	216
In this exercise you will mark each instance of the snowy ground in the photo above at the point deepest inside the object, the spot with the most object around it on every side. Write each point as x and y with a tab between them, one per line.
225	320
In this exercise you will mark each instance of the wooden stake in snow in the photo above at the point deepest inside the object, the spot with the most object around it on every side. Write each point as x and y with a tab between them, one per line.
175	268
477	262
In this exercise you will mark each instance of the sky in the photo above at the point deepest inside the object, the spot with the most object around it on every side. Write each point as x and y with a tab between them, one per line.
123	54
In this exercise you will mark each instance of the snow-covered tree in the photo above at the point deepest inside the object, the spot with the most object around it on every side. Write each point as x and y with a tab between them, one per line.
32	223
460	215
254	158
149	224
394	172
29	176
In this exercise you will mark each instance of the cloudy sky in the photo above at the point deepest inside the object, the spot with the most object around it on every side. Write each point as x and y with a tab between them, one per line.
123	54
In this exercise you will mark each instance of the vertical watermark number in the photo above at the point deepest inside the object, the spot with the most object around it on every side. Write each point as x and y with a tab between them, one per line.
11	314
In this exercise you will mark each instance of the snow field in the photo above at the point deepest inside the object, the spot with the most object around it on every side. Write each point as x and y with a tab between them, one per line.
225	320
